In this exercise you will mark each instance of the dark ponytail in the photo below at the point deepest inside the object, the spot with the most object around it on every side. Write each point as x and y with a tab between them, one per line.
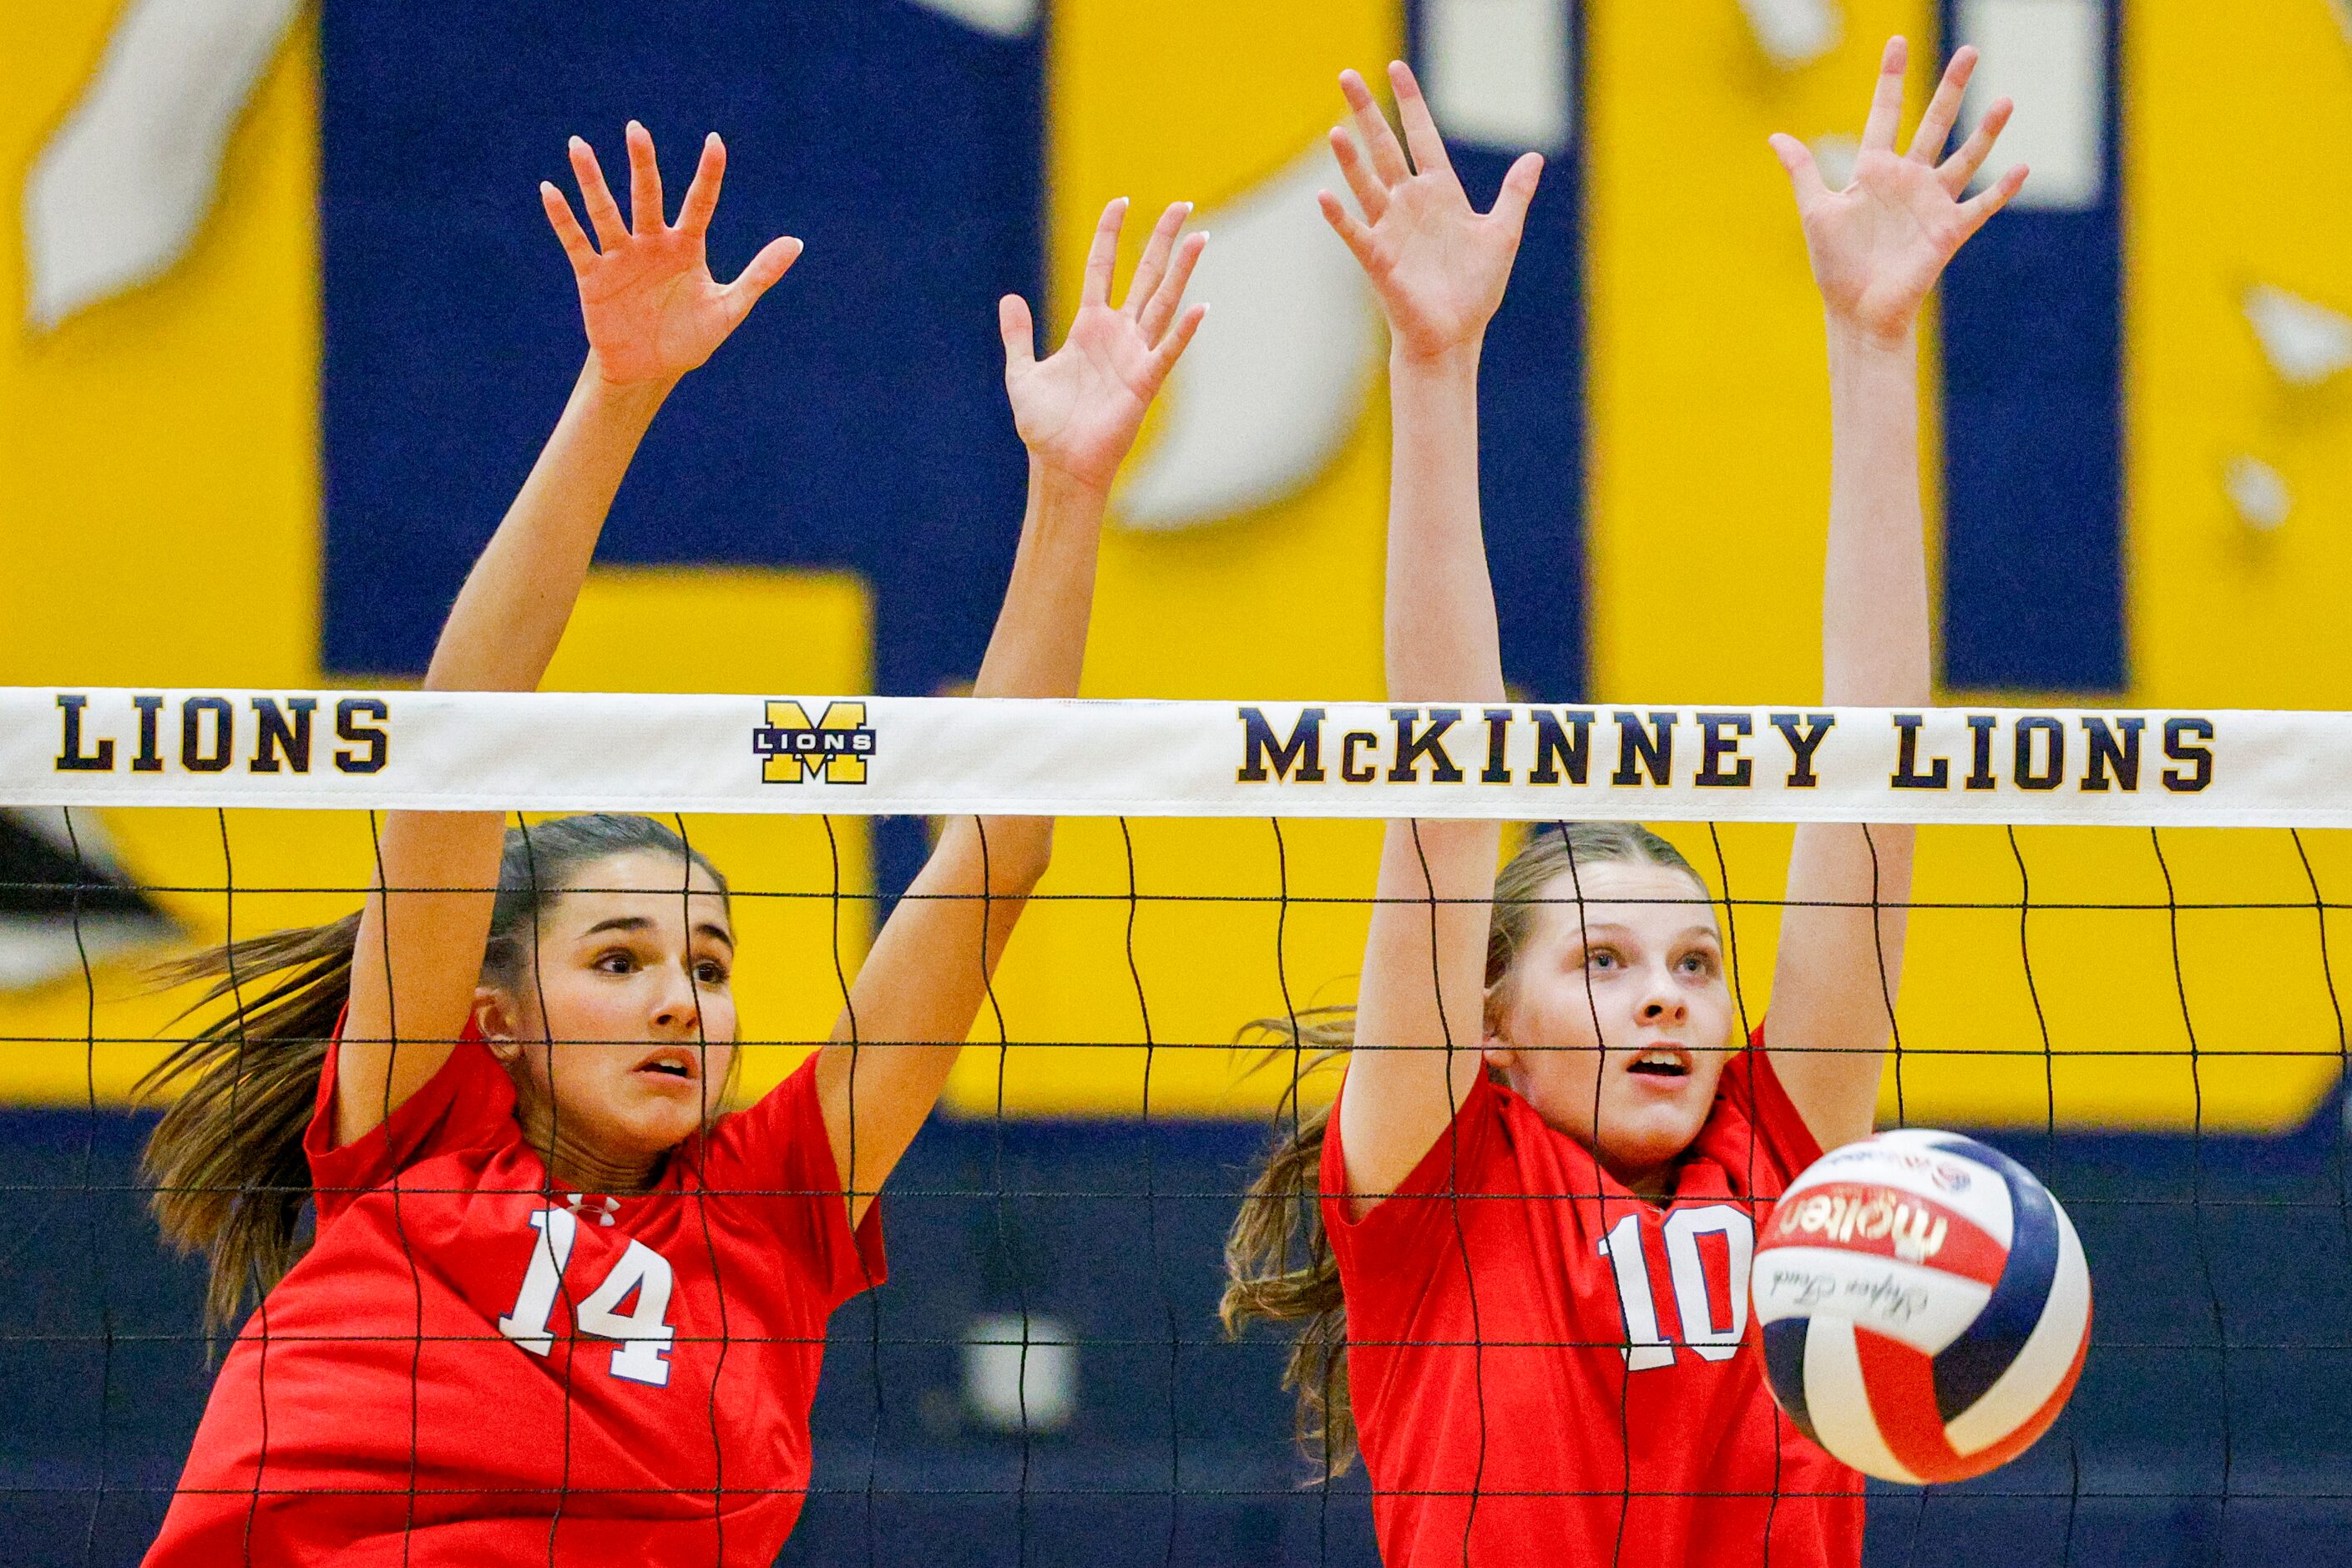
1278	1260
227	1162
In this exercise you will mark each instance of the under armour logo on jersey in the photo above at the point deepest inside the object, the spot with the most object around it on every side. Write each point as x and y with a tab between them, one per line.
601	1209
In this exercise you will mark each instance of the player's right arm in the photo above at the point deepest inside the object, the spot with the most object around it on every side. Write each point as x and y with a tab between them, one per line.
1877	247
652	313
1077	411
1439	269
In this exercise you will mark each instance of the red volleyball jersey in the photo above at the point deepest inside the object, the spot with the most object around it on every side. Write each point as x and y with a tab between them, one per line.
1570	1373
468	1368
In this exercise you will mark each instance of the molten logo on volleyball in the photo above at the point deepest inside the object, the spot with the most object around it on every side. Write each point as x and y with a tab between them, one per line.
1925	1306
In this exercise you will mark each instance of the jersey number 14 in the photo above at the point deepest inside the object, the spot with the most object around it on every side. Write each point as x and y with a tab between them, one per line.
643	1354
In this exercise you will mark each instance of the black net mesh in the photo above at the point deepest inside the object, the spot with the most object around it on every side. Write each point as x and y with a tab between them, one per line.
2148	1020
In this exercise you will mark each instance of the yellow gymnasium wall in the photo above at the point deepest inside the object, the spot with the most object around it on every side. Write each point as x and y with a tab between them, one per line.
162	480
1710	469
1161	101
161	464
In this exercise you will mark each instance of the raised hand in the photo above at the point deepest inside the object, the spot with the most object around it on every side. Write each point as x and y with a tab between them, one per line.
1078	409
652	310
1438	266
1879	245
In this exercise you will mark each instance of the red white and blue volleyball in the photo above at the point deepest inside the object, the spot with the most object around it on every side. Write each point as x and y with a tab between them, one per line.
1924	1305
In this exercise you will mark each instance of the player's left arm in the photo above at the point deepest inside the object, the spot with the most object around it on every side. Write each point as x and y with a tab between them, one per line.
1877	247
1077	412
652	313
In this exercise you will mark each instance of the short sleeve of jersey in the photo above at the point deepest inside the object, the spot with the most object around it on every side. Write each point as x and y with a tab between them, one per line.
778	1151
1751	1088
468	1103
1404	1231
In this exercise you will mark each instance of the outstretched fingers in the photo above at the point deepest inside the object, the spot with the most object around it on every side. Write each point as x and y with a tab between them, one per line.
1102	255
1804	175
702	194
581	255
603	212
775	260
1372	129
1961	167
1518	191
1420	127
1171	347
1886	98
1153	267
1169	293
1370	195
1350	227
1014	325
1990	200
1944	109
644	182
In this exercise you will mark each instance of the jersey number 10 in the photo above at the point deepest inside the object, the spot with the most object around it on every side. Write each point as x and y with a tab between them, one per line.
643	1355
1714	1337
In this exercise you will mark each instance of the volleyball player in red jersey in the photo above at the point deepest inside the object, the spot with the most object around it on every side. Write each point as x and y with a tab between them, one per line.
558	1310
1530	1215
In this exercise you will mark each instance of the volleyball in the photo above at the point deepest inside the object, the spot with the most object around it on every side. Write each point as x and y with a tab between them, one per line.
1925	1306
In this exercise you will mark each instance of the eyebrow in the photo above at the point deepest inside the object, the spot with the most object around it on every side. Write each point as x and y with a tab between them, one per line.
638	924
1620	926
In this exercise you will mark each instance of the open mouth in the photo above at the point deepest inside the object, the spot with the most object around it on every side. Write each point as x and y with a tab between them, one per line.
671	1064
1660	1061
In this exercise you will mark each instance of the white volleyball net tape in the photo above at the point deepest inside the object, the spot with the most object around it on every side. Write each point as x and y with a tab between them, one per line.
935	756
2119	972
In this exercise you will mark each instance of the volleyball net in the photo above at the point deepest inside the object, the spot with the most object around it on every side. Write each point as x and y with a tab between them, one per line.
2125	927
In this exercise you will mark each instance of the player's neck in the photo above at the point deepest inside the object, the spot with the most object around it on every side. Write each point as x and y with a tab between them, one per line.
584	1171
578	1166
1655	1184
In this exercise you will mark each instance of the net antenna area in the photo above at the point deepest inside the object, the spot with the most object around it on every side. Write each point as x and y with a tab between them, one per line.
2120	972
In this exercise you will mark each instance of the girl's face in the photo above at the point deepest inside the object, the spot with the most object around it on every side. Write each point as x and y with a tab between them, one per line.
621	1034
1615	1022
